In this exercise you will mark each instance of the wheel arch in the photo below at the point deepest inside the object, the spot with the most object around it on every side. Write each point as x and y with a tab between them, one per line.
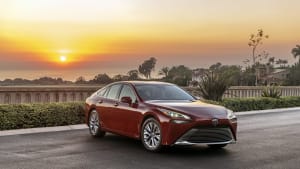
146	116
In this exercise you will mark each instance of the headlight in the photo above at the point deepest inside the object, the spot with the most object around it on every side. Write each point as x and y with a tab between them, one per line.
174	114
231	116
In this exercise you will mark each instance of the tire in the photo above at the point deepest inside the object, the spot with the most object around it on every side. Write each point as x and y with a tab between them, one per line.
151	135
94	124
217	146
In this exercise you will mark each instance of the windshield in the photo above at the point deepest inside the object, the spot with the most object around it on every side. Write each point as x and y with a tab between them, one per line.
162	92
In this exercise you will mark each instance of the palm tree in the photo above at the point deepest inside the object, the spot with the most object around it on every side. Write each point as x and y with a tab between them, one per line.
271	60
164	72
281	62
147	67
296	52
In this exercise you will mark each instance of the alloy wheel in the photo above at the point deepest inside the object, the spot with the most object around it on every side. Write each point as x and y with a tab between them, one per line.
94	124
151	135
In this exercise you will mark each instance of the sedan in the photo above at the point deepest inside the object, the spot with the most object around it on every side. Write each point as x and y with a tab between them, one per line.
159	114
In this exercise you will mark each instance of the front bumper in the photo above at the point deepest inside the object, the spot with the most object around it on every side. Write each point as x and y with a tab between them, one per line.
199	131
207	136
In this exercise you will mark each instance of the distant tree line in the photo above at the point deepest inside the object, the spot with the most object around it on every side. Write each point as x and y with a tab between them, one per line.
39	81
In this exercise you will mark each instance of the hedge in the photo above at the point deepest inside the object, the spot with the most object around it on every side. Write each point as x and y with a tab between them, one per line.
259	103
40	115
59	114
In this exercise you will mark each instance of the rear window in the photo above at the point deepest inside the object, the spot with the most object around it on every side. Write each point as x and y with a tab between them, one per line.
113	91
101	92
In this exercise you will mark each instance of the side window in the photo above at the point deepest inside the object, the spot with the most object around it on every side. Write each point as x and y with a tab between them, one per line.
113	92
128	92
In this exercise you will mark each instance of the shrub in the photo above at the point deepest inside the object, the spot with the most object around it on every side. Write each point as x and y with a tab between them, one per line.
213	86
260	103
40	115
271	91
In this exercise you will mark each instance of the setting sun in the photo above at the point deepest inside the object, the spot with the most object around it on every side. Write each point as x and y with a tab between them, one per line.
63	58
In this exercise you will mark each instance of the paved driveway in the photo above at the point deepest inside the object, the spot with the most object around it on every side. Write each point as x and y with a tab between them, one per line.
266	141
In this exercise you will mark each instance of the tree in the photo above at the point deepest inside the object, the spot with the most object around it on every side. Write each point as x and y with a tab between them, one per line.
164	72
215	67
120	77
294	71
294	75
133	75
102	79
230	72
281	62
147	67
296	52
80	80
180	75
49	81
271	61
256	40
248	77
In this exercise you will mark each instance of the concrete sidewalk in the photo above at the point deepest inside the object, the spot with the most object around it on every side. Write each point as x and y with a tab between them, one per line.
42	130
84	126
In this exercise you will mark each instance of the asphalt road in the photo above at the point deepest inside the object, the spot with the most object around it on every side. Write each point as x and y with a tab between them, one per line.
266	141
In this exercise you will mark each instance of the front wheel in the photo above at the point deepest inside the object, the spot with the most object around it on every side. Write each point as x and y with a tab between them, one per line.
94	124
151	135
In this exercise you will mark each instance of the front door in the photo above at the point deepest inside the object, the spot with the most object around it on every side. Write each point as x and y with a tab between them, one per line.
128	114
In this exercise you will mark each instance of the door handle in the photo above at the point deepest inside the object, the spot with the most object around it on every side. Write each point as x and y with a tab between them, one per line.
116	104
101	101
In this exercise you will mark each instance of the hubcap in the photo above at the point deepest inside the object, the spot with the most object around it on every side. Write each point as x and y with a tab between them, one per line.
152	135
94	122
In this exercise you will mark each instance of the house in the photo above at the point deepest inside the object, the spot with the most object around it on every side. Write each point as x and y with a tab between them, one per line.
278	77
267	75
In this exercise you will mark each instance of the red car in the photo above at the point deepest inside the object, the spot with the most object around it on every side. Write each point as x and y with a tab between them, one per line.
159	114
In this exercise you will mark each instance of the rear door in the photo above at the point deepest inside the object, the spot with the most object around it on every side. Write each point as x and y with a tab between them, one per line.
101	102
108	114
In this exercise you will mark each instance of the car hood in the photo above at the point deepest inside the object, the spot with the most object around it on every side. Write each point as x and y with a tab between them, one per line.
194	108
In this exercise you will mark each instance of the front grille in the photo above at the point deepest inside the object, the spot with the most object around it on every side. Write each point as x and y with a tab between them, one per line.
207	135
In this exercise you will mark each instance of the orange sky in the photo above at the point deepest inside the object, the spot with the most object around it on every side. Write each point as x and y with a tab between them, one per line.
115	36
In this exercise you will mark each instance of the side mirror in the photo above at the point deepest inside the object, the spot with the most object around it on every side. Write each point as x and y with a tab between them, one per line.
126	99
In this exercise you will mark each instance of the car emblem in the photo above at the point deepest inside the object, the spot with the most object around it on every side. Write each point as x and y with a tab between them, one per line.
215	122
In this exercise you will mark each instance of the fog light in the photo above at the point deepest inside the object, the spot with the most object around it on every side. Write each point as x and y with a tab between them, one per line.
180	121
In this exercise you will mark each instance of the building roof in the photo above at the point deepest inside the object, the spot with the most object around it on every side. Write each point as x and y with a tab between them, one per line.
279	71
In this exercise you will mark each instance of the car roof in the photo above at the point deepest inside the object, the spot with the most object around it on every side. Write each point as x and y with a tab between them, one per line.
146	82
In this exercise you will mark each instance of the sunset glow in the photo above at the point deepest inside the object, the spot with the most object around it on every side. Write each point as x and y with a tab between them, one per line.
63	58
116	35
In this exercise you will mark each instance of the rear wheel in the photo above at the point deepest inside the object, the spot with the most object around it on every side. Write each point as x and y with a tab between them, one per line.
94	124
151	135
217	146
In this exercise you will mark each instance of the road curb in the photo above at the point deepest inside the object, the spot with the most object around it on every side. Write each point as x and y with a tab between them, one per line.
42	130
254	112
84	126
